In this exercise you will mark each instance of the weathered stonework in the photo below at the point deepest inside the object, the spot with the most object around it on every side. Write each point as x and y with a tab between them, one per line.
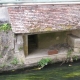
74	42
76	33
36	19
76	50
49	39
44	17
19	51
6	47
11	49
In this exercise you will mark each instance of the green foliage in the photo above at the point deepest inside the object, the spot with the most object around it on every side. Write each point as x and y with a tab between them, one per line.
6	47
69	57
20	48
69	53
44	62
5	27
75	57
2	65
15	61
0	56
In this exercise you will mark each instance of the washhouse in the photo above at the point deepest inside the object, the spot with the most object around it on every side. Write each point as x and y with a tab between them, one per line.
40	29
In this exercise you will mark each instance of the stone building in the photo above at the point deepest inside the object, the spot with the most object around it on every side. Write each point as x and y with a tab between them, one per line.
38	27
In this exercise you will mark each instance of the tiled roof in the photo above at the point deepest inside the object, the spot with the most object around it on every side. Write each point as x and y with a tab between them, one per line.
44	17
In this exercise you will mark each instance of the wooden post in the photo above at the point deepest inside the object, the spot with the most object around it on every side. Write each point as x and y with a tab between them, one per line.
25	44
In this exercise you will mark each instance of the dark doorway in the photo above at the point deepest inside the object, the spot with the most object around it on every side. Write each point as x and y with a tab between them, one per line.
32	42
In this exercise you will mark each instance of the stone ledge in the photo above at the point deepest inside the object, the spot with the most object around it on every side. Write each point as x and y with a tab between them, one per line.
30	62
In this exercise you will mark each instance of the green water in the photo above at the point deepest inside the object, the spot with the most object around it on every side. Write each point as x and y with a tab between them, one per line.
51	72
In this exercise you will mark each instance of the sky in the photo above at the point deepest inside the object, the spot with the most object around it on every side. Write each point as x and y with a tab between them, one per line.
3	1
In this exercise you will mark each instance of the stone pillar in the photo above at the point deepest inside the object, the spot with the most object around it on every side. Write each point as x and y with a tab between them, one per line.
76	33
19	51
74	42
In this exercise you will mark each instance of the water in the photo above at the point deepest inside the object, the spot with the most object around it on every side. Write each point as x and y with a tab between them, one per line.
50	72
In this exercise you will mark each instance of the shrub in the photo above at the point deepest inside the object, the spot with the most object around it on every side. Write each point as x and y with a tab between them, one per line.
15	61
44	62
69	53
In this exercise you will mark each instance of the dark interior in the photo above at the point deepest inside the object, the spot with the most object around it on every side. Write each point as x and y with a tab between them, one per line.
32	43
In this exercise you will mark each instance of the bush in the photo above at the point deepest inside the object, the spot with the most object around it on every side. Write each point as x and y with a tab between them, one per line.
15	61
44	62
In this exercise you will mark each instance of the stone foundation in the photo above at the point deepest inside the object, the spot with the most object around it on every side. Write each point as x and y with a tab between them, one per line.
11	49
14	46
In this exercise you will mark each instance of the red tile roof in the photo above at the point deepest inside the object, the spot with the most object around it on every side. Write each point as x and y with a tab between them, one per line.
44	17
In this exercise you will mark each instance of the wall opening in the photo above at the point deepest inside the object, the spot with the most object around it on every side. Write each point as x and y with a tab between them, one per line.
39	45
32	43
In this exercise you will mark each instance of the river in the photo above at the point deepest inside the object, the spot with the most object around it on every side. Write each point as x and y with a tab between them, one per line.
68	71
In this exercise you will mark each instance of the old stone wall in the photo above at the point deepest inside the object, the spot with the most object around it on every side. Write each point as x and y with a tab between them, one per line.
11	50
45	41
6	45
4	17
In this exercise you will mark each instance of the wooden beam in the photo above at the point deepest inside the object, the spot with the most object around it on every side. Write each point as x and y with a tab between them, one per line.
25	44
